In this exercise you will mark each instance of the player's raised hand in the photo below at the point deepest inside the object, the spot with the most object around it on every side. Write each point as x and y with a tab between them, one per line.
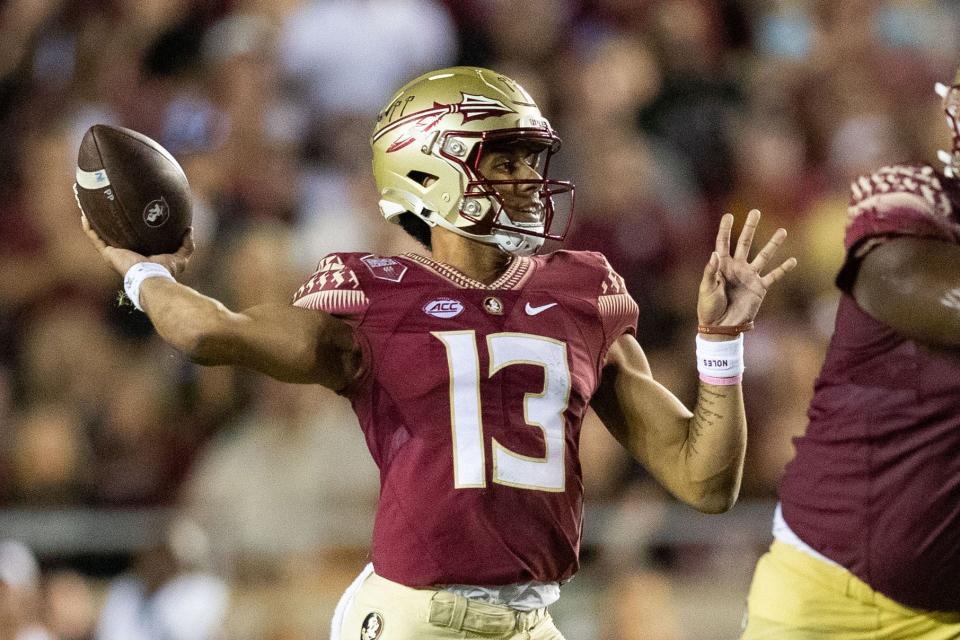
122	259
733	288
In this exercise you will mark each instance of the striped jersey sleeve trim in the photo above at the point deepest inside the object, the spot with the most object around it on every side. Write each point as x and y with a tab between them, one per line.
335	301
888	188
333	288
899	200
618	309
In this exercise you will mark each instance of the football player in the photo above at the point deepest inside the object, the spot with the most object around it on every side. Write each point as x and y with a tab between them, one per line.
867	532
471	368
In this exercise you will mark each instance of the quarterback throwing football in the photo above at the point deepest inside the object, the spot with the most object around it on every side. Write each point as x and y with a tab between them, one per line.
471	369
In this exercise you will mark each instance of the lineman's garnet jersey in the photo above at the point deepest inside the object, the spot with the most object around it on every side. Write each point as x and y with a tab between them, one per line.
875	485
471	398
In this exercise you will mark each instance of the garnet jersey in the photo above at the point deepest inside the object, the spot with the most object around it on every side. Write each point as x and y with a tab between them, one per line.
875	485
471	398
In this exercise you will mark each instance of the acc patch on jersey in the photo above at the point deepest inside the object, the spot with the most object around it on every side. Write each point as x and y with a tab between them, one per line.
384	268
443	308
372	626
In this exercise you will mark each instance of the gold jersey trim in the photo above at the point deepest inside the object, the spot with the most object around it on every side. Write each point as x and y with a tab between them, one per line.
335	301
619	307
516	273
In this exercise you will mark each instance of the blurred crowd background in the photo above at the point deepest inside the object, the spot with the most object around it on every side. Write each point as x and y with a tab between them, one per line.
144	497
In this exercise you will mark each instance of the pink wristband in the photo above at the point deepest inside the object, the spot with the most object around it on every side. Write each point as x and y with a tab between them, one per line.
721	381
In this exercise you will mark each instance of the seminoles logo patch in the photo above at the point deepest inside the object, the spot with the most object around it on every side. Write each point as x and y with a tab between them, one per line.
384	268
443	308
156	213
493	305
471	107
372	626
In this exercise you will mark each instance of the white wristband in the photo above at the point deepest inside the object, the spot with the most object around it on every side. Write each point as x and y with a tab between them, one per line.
137	274
720	360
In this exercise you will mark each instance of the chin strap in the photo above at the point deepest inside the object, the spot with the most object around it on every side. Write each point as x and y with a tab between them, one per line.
517	244
511	240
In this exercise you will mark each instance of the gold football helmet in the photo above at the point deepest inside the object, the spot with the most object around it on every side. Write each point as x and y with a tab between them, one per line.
951	105
427	145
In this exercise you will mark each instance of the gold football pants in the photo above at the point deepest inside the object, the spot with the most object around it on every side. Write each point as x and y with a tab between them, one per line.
374	608
795	596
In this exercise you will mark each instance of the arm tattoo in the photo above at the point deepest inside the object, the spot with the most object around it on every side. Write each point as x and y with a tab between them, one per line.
705	416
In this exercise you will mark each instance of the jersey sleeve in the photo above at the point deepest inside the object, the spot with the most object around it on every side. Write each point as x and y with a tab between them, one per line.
334	288
618	310
901	200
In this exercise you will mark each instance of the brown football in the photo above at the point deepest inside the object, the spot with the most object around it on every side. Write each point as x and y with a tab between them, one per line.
132	191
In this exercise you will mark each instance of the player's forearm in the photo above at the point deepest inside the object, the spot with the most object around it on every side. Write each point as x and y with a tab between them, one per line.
281	341
185	318
713	452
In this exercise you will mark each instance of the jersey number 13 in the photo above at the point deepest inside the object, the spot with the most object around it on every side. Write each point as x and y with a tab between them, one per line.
542	410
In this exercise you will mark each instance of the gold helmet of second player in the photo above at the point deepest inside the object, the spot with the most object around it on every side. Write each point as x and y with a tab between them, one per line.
951	105
427	145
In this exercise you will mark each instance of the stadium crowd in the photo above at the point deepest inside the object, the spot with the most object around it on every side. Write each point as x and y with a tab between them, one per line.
672	112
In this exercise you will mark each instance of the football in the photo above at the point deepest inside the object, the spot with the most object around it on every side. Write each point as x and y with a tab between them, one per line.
132	191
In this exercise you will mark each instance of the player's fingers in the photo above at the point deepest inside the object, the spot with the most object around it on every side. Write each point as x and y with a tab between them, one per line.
746	235
177	265
97	242
723	235
187	247
710	273
774	276
769	249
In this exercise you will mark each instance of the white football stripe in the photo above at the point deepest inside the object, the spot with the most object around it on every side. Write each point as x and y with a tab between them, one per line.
92	179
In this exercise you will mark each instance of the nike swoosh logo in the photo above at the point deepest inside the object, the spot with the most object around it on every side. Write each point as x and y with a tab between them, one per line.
532	311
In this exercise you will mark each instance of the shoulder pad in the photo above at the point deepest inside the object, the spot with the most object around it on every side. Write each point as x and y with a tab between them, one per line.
334	288
893	188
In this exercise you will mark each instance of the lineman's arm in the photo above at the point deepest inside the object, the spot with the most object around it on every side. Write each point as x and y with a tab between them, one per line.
698	457
913	286
282	341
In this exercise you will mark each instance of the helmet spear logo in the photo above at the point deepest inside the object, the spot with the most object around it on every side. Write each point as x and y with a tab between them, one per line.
471	107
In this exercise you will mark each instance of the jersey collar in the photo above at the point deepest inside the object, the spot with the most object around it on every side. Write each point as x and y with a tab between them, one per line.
513	278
